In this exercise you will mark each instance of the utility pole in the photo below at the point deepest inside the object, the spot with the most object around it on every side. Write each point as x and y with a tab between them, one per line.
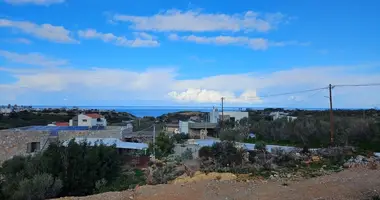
331	116
154	141
222	112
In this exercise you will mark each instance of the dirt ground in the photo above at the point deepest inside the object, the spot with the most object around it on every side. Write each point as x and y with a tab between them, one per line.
352	184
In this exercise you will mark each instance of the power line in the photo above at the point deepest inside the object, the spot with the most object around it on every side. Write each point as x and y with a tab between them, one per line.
287	93
357	85
310	90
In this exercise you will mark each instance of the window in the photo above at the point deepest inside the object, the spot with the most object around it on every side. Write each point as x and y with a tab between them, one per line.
99	120
33	147
84	120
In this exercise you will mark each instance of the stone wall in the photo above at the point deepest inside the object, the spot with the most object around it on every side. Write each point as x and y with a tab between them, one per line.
107	133
14	143
179	149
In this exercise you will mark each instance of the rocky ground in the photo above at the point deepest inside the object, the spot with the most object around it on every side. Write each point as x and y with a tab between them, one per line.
354	183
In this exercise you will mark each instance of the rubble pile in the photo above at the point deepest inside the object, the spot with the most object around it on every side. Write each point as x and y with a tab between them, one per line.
362	161
199	176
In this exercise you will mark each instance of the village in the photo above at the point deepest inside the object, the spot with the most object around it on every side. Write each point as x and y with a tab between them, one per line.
183	147
93	128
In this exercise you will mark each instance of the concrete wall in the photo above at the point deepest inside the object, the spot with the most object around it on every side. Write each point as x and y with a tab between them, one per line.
14	143
195	133
180	148
183	127
95	122
109	132
84	120
236	115
171	129
90	121
214	116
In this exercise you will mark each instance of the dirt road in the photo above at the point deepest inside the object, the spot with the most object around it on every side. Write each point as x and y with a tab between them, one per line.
351	184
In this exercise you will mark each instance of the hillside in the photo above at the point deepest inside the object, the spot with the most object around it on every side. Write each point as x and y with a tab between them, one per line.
351	184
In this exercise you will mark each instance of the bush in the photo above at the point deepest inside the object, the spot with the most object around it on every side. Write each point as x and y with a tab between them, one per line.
128	180
165	173
77	168
260	145
181	138
187	154
205	152
41	186
221	156
164	146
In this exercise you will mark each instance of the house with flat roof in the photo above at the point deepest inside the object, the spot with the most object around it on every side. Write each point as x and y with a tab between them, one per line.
89	120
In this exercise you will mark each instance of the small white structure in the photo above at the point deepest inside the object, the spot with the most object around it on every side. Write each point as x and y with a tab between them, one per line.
89	120
214	115
5	110
279	115
235	115
184	127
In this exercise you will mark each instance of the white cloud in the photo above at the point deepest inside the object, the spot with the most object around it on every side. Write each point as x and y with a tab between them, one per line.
254	43
142	39
32	59
213	96
177	20
44	31
21	41
37	2
173	36
163	84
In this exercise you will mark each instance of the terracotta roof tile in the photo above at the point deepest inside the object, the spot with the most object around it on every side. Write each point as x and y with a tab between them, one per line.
94	115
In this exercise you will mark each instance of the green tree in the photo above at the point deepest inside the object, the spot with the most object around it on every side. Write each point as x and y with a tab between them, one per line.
163	147
77	166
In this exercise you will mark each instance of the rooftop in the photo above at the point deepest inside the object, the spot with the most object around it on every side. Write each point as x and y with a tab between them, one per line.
94	115
58	128
172	125
111	141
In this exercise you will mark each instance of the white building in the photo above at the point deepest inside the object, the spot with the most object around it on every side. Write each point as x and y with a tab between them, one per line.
214	115
235	115
279	115
5	110
184	127
89	120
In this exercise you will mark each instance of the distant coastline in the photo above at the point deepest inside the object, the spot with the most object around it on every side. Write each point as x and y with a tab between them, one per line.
155	111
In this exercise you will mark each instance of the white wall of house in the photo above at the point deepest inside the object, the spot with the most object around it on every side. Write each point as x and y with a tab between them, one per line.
236	115
84	120
184	127
214	115
101	122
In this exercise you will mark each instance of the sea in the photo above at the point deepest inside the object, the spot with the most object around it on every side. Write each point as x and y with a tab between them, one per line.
155	111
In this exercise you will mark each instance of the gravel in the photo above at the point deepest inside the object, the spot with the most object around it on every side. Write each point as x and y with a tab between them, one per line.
350	184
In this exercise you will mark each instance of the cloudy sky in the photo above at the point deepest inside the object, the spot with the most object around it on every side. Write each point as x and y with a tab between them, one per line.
154	52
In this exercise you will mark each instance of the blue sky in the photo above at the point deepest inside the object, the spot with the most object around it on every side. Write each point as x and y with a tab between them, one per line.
66	52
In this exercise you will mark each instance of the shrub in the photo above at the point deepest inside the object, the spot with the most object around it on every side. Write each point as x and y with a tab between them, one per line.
260	145
181	138
166	173
221	156
128	180
163	147
187	154
78	167
41	186
205	152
